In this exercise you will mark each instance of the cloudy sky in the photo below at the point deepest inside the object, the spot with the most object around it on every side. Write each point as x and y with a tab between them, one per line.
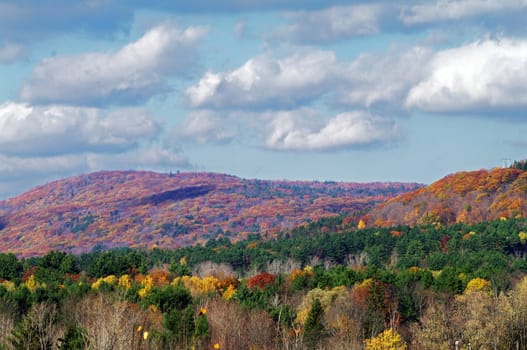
271	89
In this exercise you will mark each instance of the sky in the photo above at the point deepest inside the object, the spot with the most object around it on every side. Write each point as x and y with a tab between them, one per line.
301	90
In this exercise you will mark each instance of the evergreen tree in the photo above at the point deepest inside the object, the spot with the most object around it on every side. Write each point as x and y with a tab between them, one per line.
314	329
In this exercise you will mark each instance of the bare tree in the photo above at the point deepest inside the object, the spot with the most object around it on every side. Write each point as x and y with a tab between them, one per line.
109	325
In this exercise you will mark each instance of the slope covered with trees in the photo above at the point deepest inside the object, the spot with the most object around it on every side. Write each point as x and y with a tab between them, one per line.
420	287
105	210
469	196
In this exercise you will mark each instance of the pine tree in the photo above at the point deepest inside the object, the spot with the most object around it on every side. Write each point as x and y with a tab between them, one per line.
314	329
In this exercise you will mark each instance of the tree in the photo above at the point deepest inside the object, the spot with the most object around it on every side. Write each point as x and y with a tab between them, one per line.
10	267
37	331
314	329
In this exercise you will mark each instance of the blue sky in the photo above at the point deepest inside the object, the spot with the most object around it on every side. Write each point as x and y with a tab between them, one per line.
271	89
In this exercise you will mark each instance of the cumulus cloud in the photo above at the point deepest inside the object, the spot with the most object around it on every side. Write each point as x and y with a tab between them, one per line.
18	174
292	132
204	126
476	77
31	131
330	24
445	10
383	79
10	53
131	75
266	82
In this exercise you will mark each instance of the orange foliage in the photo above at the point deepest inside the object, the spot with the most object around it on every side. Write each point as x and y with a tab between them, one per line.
145	209
160	277
261	280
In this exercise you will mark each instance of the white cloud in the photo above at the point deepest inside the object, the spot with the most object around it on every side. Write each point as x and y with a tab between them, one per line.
384	79
267	82
203	126
474	78
54	130
131	75
155	157
18	174
292	132
444	10
18	168
330	24
11	52
300	79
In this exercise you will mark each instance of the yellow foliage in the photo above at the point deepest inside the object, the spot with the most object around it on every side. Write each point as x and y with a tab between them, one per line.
124	282
326	297
32	284
229	292
361	224
10	286
413	269
183	261
111	280
252	245
198	285
387	340
147	284
478	285
523	237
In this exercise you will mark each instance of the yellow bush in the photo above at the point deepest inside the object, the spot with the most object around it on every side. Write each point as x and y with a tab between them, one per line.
478	285
387	340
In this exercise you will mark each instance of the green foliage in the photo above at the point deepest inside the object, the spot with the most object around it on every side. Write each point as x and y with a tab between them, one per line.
10	268
179	326
180	270
74	339
201	331
314	329
519	164
170	298
449	281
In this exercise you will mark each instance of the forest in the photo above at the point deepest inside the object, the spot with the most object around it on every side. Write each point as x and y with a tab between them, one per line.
332	284
141	209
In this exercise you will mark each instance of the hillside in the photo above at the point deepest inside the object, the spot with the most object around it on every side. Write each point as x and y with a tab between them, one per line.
469	197
144	209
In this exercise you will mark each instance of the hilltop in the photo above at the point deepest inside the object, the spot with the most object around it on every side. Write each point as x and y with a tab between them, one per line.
468	196
135	209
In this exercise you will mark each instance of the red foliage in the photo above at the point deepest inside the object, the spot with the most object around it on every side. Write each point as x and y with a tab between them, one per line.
147	210
28	273
443	242
261	280
461	197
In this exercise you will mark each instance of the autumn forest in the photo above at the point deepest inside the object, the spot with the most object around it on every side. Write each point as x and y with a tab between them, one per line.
288	266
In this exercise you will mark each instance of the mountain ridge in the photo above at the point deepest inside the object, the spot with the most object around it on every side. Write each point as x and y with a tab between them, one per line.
466	196
141	209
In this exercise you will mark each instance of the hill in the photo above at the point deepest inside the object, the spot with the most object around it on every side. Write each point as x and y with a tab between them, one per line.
112	209
469	196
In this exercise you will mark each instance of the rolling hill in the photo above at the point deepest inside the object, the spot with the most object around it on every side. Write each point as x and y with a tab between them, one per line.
469	196
112	209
